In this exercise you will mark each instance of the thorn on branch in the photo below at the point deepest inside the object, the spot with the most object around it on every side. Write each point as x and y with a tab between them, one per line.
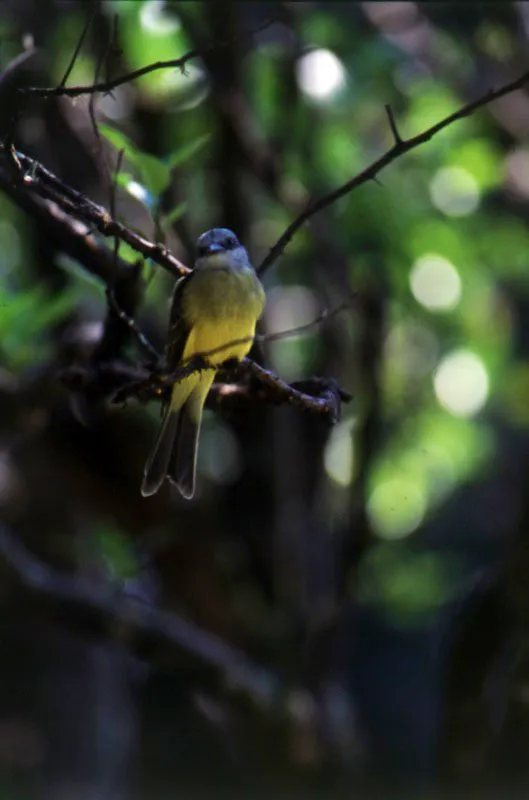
393	126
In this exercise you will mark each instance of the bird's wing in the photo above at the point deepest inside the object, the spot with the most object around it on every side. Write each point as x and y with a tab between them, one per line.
178	328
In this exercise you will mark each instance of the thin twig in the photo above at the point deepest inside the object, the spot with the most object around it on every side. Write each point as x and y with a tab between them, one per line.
7	77
107	86
326	314
370	173
119	161
101	155
89	19
134	327
15	64
114	45
113	304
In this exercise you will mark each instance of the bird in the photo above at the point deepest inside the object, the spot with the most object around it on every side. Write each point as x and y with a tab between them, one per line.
214	311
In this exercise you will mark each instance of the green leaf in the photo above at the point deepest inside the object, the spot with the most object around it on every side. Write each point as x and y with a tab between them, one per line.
119	141
128	254
25	318
186	152
117	553
123	179
408	586
154	173
53	310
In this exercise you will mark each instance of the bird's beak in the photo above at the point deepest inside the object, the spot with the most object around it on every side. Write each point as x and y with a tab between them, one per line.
214	248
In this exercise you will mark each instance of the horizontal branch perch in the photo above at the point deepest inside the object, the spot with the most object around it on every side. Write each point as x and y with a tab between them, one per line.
123	382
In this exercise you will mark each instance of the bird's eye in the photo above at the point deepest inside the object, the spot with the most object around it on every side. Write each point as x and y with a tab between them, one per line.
202	251
228	243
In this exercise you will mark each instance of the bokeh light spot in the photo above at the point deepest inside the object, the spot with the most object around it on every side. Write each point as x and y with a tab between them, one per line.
289	307
338	456
435	283
454	191
191	89
461	383
396	507
119	104
320	74
517	172
219	456
411	349
139	191
154	17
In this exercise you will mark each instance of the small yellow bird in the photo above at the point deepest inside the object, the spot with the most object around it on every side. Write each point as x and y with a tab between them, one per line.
216	304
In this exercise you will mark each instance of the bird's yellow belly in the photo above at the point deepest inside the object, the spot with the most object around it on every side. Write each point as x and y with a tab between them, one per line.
208	339
223	308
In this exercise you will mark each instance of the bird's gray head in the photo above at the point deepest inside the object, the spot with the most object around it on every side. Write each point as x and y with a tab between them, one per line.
219	247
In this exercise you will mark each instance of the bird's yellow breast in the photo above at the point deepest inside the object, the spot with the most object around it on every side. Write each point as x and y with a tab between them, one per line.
221	306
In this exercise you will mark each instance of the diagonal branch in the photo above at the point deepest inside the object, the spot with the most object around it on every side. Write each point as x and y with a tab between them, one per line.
34	177
71	236
370	173
146	624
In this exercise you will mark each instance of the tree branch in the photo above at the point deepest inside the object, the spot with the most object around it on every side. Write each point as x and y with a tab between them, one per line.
35	178
105	376
71	236
123	382
145	624
129	77
370	173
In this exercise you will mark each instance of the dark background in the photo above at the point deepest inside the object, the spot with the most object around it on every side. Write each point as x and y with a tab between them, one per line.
374	574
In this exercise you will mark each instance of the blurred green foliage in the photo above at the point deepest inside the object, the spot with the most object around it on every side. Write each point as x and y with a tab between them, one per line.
113	550
407	586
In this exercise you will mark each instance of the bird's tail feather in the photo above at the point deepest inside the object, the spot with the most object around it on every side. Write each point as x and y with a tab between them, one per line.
174	454
181	469
183	461
156	467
